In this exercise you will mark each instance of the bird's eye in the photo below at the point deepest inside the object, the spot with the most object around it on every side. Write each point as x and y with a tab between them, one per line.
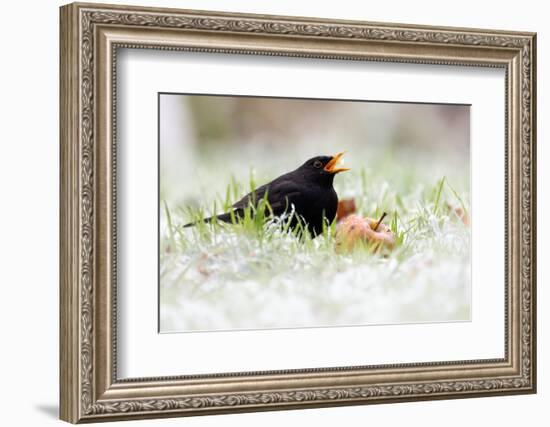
317	164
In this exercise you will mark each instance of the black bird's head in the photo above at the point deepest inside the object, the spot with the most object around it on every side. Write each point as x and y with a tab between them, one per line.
322	169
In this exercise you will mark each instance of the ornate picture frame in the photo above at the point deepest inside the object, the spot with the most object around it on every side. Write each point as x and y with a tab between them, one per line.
90	37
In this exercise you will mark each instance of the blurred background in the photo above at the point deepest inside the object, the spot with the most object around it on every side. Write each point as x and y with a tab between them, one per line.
206	140
410	160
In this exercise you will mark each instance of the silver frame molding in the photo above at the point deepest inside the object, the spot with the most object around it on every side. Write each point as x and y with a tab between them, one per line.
90	37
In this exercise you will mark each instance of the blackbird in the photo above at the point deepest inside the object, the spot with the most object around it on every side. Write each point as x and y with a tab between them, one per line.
308	191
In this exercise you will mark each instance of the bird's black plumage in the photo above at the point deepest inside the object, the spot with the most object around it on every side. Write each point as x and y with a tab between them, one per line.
307	191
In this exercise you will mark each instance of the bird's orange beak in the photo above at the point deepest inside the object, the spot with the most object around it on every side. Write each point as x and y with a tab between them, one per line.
332	165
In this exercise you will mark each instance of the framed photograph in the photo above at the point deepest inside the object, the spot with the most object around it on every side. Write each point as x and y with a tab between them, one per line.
265	212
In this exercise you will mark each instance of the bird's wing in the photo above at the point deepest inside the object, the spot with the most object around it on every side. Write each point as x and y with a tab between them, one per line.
280	195
252	197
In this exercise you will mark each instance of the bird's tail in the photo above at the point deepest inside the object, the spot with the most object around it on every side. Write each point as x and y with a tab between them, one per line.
225	217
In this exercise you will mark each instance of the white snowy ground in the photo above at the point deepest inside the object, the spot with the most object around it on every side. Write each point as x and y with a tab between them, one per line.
226	278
